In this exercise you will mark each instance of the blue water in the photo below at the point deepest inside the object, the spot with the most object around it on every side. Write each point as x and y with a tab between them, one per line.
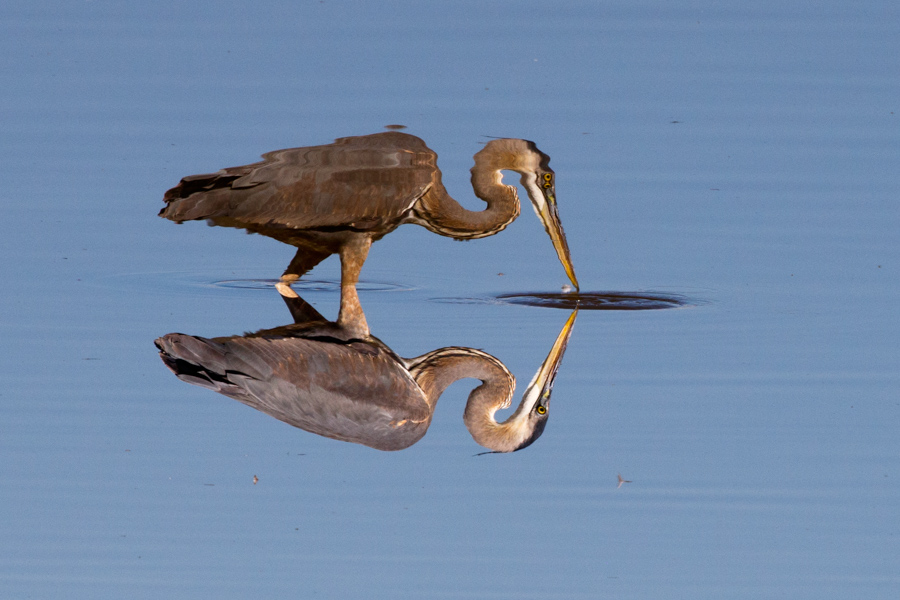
742	157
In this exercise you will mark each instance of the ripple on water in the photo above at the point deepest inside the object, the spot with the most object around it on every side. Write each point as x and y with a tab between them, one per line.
583	300
202	282
311	285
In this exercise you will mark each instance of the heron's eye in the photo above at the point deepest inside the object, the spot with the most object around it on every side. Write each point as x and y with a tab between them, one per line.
546	186
541	409
548	177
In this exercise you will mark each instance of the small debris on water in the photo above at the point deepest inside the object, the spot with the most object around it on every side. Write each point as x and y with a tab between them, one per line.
567	289
255	480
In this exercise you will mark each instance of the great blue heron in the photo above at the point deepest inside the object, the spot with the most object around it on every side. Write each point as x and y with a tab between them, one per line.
316	375
341	197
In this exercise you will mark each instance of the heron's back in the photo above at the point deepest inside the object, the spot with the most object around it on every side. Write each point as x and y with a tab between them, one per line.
364	183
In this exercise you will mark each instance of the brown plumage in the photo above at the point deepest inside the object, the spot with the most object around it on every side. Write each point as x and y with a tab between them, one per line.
357	184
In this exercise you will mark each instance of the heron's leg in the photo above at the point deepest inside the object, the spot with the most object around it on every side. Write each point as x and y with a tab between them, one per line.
353	255
303	262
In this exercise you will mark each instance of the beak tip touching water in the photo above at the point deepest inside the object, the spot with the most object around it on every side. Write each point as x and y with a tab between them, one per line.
558	236
549	215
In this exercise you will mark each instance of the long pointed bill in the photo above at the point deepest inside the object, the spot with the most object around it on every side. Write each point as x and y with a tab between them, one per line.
549	216
542	384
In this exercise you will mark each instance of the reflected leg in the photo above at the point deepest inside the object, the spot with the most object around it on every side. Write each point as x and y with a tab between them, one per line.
301	310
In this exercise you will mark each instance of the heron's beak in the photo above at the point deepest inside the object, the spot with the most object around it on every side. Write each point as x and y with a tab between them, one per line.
549	216
542	384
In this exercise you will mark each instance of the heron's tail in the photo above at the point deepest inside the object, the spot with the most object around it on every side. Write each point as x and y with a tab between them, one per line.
201	196
206	363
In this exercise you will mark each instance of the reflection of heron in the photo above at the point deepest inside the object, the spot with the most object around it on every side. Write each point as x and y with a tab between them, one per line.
317	376
341	197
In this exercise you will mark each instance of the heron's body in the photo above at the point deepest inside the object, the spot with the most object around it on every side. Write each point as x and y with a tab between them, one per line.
317	196
340	197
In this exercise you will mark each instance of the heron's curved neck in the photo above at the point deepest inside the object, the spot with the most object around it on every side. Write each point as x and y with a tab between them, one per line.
435	371
443	215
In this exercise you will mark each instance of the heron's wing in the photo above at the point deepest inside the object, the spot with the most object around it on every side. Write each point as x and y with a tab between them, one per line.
353	391
361	183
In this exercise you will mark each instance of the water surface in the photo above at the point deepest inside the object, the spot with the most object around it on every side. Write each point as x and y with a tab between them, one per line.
572	300
743	158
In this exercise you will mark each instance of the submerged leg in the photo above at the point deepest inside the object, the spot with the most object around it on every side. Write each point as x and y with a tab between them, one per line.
303	262
353	255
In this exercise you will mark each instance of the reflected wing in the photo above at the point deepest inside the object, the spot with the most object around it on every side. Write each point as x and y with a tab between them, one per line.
363	183
353	391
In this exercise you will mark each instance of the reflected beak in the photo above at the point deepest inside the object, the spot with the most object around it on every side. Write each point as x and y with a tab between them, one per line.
549	216
522	427
542	385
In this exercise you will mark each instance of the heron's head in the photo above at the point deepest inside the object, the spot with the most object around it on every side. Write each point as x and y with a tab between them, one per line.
541	187
539	181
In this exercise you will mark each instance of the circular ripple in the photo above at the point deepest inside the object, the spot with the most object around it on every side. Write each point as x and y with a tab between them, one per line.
596	300
583	300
